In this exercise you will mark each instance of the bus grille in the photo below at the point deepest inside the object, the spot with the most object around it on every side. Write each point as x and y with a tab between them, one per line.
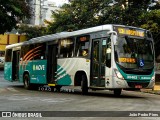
133	84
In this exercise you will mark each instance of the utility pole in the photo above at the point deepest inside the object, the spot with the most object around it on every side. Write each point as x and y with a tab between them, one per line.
40	12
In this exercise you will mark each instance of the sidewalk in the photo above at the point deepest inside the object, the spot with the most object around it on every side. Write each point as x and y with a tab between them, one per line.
155	90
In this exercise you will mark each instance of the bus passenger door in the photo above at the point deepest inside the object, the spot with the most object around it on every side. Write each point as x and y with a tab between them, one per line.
52	63
15	65
98	61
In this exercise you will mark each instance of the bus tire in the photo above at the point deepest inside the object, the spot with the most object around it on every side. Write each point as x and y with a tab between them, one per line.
84	85
117	92
26	81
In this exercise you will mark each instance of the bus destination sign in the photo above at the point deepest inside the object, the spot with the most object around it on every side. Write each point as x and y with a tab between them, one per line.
129	31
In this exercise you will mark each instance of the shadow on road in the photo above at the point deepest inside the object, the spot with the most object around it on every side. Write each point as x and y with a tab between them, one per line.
108	94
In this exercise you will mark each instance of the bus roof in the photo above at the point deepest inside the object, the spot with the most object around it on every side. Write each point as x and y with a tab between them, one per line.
56	36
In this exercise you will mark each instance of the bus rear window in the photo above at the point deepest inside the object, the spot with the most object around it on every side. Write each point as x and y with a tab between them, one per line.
8	55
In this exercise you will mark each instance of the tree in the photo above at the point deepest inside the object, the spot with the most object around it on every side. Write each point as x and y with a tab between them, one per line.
87	13
11	13
76	15
151	21
81	14
32	31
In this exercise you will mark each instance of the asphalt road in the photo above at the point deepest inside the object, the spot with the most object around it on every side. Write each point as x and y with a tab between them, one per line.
13	97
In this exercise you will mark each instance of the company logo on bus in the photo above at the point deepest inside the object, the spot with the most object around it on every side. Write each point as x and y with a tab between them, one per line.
38	67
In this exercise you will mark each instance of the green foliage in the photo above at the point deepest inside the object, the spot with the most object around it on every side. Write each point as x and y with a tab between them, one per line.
87	13
77	15
151	21
12	12
32	31
81	14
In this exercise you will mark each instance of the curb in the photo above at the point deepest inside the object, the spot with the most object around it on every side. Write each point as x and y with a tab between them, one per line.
155	90
152	92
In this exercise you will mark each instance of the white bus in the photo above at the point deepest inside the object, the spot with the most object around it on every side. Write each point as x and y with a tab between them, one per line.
113	57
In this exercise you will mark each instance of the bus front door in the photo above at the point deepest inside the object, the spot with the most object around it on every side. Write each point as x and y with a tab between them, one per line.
52	64
98	63
15	65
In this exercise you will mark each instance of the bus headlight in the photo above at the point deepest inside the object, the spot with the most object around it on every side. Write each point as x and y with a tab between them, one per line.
118	74
153	78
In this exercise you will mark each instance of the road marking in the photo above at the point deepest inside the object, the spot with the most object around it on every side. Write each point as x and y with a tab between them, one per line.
8	89
40	99
12	89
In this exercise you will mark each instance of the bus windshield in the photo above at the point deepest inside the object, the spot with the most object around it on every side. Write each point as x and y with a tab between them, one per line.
133	53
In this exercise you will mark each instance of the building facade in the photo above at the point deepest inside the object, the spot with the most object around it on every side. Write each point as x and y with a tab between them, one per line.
41	10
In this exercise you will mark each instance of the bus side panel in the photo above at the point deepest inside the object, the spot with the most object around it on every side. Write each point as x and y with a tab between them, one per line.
62	77
25	66
68	67
39	68
8	71
21	71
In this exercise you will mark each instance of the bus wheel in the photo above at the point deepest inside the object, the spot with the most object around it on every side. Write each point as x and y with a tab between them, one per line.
84	85
117	92
26	80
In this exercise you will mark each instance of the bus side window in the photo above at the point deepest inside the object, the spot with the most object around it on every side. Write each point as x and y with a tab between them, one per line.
82	46
39	51
66	47
8	55
27	52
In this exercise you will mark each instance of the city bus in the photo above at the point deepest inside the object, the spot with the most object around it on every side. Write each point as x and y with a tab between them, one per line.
106	57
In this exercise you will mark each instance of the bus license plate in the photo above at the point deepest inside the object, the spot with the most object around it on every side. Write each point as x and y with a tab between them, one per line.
138	86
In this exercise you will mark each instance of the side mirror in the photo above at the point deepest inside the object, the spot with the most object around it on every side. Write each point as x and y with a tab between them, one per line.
113	36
